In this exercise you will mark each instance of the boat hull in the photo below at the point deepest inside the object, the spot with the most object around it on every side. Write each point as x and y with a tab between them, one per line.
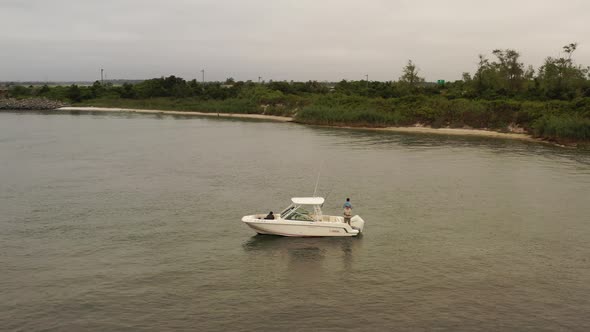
303	228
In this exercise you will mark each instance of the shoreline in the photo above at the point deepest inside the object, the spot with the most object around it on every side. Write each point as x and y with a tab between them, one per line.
410	129
464	132
456	132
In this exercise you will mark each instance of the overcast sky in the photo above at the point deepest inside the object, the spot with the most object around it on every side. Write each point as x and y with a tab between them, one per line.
278	39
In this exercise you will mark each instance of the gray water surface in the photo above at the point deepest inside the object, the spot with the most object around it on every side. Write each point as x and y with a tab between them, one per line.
132	222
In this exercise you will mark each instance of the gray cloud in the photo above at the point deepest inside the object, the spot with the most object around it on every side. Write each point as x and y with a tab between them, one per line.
280	39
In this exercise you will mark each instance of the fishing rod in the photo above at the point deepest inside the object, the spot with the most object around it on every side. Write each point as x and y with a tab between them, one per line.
318	179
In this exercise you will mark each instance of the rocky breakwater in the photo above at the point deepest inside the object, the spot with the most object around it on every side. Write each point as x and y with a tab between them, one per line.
30	104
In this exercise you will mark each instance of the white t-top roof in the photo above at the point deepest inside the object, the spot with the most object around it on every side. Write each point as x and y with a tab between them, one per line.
308	200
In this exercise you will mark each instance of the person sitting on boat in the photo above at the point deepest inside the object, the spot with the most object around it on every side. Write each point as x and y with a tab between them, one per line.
347	211
270	216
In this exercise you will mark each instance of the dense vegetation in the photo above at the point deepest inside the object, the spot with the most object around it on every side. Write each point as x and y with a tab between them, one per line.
552	101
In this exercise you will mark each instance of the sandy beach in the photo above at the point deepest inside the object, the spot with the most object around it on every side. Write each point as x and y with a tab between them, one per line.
413	129
130	110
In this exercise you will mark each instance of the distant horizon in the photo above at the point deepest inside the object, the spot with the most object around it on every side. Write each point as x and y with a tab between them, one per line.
217	81
578	55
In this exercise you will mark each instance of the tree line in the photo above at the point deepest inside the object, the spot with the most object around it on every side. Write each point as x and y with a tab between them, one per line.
503	75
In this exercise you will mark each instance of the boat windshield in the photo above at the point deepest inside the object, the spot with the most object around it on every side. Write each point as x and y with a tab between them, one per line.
287	211
300	215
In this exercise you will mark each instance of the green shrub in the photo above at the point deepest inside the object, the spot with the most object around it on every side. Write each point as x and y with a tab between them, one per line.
324	115
564	127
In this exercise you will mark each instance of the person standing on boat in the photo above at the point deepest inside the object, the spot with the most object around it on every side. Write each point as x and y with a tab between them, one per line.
347	211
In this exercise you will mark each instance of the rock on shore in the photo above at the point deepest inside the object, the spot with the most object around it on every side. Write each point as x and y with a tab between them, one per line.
30	104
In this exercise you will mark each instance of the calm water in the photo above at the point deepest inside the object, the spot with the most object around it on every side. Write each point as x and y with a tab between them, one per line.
132	222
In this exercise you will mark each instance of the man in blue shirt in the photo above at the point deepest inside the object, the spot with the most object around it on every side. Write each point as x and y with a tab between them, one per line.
347	211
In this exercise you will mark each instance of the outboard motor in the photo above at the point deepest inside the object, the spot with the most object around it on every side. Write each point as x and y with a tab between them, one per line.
357	222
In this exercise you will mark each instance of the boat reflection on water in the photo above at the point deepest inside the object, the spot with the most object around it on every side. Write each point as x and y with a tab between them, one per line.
273	242
305	255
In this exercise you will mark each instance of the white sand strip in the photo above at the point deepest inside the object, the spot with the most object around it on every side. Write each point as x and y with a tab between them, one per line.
462	132
130	110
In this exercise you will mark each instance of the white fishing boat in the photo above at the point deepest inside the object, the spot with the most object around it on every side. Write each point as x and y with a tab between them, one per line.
296	220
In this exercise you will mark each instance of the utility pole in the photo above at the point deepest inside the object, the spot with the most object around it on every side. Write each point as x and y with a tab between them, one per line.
203	78
101	76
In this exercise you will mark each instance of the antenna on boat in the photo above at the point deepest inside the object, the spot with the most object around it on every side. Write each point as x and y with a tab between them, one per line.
318	180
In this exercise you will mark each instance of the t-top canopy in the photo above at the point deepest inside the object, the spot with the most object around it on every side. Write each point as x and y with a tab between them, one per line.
308	200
